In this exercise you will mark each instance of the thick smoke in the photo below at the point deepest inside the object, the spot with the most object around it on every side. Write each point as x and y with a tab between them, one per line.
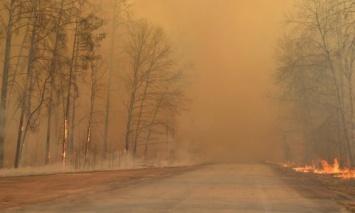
231	44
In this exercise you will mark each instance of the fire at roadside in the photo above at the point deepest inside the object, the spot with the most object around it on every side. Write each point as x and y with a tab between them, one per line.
326	168
322	178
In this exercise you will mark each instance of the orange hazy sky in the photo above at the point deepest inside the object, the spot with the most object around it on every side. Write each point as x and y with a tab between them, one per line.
231	44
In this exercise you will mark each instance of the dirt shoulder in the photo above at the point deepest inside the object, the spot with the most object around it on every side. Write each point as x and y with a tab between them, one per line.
322	186
17	191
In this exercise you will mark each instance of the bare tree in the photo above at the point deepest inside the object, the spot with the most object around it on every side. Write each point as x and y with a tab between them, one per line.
151	83
47	28
89	42
56	56
317	70
120	13
59	42
5	76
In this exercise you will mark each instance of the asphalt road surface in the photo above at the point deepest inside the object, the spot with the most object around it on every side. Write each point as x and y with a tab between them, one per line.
213	188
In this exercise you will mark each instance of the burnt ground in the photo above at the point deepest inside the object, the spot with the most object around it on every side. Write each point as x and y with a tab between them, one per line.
321	186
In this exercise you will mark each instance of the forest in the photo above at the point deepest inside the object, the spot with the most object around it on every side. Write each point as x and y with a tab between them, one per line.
86	84
315	76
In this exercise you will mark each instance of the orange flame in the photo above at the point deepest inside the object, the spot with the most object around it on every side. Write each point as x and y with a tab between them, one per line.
347	174
305	169
328	169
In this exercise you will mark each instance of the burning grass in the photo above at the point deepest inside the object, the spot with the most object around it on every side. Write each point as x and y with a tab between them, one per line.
325	168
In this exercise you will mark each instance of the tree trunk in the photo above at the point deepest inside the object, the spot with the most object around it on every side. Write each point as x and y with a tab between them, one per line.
91	112
49	122
26	93
13	79
149	71
5	78
340	103
131	108
51	74
150	128
108	94
72	123
67	107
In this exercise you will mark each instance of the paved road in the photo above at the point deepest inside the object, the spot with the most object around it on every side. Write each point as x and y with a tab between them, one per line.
245	188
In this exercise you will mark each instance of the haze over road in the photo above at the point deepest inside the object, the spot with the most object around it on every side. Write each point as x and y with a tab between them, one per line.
231	44
209	188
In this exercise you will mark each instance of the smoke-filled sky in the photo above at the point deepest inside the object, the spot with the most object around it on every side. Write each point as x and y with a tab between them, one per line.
231	44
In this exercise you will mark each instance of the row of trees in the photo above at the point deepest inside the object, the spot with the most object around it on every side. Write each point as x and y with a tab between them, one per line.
62	60
315	73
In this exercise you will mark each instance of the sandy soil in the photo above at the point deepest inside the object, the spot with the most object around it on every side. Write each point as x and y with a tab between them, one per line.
246	188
